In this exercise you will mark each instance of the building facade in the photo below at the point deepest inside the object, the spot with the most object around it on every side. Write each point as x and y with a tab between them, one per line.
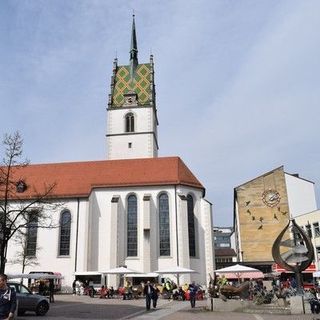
263	207
134	209
224	246
310	223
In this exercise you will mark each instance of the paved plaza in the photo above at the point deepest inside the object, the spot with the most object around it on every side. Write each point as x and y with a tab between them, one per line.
83	307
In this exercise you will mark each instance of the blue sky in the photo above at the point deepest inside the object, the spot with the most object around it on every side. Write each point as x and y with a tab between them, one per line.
237	82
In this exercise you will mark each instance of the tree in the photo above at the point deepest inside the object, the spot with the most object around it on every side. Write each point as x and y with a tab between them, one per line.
22	256
17	210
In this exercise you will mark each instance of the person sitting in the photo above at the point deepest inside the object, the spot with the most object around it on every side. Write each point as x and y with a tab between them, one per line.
110	292
167	287
222	281
103	292
314	302
181	294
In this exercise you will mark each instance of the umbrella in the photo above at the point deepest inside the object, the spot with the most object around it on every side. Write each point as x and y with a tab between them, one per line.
119	270
316	274
175	270
144	275
240	271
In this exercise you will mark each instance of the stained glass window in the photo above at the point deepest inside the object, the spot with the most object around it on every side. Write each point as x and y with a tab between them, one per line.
65	230
164	225
32	234
191	227
132	231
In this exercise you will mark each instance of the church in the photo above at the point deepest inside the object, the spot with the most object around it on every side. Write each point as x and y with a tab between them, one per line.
133	209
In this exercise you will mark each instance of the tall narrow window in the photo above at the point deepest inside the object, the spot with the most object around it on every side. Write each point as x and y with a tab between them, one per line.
308	230
132	231
191	227
164	225
32	233
316	229
130	122
65	228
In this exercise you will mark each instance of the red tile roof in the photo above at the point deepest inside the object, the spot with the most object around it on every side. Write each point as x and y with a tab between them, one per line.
77	179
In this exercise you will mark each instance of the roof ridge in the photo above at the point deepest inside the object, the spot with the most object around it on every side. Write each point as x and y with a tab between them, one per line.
79	178
101	161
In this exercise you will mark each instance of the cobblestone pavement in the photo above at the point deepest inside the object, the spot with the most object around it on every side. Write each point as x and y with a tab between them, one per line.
68	307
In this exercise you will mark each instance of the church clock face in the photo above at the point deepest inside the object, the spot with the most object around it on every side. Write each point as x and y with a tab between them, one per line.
271	197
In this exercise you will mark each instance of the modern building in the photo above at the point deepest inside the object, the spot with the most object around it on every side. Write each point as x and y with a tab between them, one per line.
310	223
224	246
262	209
134	208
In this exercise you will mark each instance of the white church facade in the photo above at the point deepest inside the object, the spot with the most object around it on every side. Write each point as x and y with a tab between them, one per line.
134	208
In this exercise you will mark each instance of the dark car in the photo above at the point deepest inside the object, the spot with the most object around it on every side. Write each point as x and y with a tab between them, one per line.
28	301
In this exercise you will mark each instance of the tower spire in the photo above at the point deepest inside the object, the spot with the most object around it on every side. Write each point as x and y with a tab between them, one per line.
133	49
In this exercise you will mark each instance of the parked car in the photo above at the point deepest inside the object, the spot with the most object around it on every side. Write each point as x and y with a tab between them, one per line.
28	301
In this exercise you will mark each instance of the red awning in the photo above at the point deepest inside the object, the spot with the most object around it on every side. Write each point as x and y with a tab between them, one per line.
277	268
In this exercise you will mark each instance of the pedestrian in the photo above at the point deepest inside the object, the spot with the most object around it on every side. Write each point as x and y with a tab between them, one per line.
192	294
314	302
155	296
74	284
148	292
8	299
41	288
51	290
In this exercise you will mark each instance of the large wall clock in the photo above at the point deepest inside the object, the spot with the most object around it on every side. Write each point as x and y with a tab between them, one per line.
271	197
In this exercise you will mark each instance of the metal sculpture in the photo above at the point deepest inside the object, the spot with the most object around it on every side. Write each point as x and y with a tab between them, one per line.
299	256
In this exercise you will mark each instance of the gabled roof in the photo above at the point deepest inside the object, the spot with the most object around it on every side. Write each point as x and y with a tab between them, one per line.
262	175
77	179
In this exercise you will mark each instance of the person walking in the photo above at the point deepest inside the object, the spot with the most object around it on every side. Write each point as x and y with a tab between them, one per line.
51	290
155	296
41	287
192	294
148	292
8	299
74	283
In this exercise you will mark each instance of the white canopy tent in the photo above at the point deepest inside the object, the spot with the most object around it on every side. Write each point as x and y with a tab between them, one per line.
316	274
176	270
120	270
240	271
87	273
144	275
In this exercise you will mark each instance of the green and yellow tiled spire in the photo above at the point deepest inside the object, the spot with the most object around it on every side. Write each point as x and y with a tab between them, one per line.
133	78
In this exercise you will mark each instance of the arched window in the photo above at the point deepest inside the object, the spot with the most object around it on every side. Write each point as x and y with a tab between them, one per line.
191	227
164	225
130	122
32	234
132	231
65	229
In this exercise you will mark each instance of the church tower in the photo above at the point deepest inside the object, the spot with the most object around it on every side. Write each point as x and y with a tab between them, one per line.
131	114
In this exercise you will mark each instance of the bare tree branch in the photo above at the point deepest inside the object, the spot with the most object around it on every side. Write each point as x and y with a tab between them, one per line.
15	209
